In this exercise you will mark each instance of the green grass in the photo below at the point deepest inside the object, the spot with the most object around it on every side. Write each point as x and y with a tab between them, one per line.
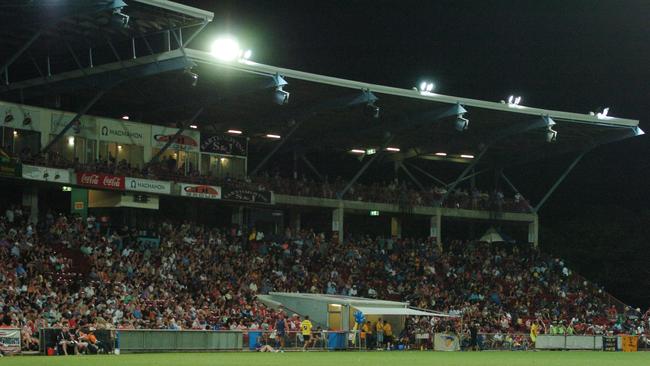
413	358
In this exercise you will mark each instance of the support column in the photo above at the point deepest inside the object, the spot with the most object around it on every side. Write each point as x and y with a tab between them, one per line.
533	232
30	199
295	220
396	227
337	222
435	228
237	217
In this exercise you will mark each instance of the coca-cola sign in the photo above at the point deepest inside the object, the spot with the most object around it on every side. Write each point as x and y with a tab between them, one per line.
99	180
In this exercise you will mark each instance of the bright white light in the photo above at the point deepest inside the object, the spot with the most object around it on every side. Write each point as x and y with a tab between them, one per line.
357	151
66	189
125	117
71	141
272	136
466	156
514	100
392	149
248	54
371	151
441	154
119	147
15	133
226	48
426	87
194	127
234	132
603	114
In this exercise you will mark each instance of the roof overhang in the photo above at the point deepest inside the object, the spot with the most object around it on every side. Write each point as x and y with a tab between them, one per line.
366	310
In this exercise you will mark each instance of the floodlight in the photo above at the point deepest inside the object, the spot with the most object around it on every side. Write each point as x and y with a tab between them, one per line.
513	100
603	114
234	132
372	110
393	149
426	87
248	54
226	48
467	156
273	136
280	96
441	154
119	19
357	151
462	123
551	134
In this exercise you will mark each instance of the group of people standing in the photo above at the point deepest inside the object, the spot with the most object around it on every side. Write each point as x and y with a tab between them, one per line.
378	335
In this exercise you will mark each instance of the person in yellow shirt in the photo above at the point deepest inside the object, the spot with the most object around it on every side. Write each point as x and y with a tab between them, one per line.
534	331
367	330
379	327
305	328
388	334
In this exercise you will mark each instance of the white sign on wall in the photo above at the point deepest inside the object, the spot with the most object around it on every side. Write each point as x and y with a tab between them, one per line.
46	174
123	132
188	140
147	185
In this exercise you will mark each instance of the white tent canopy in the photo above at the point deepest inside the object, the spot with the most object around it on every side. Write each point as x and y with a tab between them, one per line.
366	310
492	236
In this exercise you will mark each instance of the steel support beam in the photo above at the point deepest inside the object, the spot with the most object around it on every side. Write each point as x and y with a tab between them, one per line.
277	147
169	142
417	182
187	41
559	181
21	50
428	174
512	186
365	166
312	167
463	174
79	114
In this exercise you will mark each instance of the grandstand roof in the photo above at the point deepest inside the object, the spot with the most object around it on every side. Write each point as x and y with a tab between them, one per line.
329	111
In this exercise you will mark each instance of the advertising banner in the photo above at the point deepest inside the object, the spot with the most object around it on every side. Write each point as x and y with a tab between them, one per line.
630	343
446	342
246	195
10	340
147	185
122	132
201	191
20	117
101	181
46	174
222	144
609	344
187	141
86	125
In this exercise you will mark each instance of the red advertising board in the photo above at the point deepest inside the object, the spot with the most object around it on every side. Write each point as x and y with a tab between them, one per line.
102	181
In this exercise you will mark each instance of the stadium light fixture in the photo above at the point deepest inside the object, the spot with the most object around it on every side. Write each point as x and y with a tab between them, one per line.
393	149
71	141
125	117
194	127
461	123
551	134
247	54
192	76
273	136
226	48
467	156
280	96
427	87
513	100
603	114
27	119
234	132
371	151
15	133
8	116
441	154
357	151
119	19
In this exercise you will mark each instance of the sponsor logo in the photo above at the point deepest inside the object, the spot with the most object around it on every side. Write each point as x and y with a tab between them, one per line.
102	180
105	131
180	140
202	190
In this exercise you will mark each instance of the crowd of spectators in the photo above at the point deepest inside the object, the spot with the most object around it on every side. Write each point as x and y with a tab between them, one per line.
65	271
394	192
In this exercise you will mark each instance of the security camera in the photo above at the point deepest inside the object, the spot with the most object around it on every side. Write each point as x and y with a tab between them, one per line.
462	123
120	19
551	135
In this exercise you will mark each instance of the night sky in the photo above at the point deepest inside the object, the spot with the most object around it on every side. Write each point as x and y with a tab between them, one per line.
567	55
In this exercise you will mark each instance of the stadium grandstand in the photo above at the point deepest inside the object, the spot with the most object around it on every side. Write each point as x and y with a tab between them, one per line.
151	187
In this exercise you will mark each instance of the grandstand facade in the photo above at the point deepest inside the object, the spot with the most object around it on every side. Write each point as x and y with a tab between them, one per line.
154	186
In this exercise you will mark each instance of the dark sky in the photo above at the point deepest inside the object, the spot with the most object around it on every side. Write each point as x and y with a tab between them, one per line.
567	55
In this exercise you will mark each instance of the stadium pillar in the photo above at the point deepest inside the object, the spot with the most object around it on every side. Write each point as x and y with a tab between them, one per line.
337	222
434	228
237	217
533	232
30	199
294	220
396	227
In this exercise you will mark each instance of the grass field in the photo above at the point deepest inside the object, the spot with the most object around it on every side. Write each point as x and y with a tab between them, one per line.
343	358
